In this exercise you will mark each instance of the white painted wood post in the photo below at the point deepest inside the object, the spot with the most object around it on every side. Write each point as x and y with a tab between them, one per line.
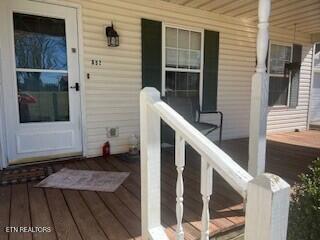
259	95
180	163
267	208
206	191
150	167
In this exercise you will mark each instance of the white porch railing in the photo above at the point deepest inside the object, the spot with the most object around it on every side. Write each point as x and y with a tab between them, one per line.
267	196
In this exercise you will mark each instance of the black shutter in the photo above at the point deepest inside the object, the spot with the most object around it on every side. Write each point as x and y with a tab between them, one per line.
151	35
295	75
210	71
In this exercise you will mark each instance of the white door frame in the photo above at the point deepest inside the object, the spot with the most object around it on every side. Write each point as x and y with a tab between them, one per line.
3	141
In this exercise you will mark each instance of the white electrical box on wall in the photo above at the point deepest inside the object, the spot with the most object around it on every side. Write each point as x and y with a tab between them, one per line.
113	132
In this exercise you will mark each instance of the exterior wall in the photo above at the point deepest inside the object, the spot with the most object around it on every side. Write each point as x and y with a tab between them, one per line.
289	119
112	92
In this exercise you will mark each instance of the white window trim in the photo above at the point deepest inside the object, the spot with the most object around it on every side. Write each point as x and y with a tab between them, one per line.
275	107
164	68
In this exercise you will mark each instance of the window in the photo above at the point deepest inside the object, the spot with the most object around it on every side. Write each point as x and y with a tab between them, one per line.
279	84
41	68
316	62
183	63
316	67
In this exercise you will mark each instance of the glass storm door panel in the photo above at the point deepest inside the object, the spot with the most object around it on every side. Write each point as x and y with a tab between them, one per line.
41	68
43	110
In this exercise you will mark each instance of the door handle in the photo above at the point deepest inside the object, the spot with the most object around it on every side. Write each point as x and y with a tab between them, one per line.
76	86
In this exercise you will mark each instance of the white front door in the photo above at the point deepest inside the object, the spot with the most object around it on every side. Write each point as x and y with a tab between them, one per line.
40	74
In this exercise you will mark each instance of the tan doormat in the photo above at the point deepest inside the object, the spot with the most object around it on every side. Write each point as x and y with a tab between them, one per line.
102	181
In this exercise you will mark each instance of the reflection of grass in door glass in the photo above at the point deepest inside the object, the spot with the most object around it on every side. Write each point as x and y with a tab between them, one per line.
50	106
43	97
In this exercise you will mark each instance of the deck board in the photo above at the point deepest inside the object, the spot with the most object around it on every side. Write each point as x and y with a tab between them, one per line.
40	214
5	202
103	215
121	211
20	211
87	215
64	224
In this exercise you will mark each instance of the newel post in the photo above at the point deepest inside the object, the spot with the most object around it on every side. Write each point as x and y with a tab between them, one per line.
267	208
150	166
259	95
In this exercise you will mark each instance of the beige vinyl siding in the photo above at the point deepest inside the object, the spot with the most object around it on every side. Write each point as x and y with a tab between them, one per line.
112	92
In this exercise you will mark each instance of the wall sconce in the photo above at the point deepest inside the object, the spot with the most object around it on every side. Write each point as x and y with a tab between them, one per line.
112	36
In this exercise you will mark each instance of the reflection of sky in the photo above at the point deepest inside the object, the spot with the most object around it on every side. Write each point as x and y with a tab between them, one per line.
45	78
50	78
35	81
40	51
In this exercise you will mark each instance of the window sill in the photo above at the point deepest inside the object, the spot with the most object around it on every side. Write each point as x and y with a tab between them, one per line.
281	108
278	108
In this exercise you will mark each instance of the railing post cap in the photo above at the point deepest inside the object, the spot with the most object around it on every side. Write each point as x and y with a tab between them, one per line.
270	182
150	93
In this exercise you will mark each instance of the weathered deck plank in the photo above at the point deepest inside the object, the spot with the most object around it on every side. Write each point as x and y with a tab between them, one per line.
115	216
40	214
5	200
64	224
20	211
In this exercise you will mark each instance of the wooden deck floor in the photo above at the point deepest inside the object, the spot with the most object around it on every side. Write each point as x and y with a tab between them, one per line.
76	215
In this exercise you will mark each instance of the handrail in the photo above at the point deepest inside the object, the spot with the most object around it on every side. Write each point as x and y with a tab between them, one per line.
267	195
231	171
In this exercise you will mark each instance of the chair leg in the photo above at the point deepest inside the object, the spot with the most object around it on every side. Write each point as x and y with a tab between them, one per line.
220	132
220	136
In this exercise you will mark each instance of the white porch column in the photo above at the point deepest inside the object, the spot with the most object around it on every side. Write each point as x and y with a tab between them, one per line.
259	95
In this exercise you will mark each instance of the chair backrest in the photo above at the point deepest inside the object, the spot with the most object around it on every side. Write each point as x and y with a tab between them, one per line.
185	106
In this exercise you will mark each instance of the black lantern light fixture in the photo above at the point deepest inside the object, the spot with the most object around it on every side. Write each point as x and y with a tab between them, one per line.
112	36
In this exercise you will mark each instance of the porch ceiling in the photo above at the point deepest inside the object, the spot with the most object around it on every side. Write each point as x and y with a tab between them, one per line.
285	13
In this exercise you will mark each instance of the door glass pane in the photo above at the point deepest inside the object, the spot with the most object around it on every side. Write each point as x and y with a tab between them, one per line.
182	84
278	91
43	97
195	41
317	56
171	37
183	58
171	57
195	59
40	42
183	39
316	80
279	55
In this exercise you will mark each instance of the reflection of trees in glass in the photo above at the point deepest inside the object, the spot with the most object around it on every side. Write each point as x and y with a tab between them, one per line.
29	81
36	82
40	51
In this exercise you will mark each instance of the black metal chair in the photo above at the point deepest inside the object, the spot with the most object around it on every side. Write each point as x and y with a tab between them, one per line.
189	108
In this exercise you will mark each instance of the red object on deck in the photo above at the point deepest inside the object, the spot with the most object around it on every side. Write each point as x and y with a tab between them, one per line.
106	150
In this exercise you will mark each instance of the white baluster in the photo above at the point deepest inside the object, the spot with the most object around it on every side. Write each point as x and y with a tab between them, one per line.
206	191
180	163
